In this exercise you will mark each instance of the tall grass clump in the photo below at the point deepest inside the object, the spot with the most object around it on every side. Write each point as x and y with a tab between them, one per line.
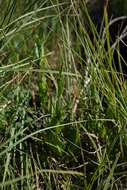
63	104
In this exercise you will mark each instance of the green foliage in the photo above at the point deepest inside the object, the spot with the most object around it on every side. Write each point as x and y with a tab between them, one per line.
62	105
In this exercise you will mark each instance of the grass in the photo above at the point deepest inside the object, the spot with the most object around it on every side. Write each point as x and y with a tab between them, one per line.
62	105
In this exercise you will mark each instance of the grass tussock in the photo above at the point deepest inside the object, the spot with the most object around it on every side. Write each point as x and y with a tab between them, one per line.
62	104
